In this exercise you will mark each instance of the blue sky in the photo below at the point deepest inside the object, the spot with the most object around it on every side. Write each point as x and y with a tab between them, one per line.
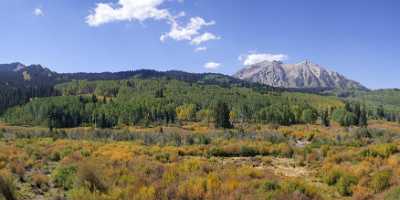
357	38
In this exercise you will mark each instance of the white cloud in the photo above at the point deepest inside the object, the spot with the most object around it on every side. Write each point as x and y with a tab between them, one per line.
38	12
255	58
212	65
204	38
198	49
187	32
142	10
127	10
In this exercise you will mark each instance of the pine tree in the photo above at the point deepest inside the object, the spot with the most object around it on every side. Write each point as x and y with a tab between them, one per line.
325	118
221	112
94	98
363	120
160	93
357	112
380	112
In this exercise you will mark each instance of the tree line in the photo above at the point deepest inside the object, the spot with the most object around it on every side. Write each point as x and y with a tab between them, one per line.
107	104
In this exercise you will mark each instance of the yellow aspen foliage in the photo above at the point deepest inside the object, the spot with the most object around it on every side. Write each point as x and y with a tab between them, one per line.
233	116
115	152
194	188
186	112
213	186
230	186
170	176
146	193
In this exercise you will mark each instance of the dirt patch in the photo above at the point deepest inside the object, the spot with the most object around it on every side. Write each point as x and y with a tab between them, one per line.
280	166
287	167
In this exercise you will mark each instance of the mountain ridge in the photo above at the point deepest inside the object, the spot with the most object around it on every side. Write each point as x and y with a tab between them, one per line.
305	74
273	74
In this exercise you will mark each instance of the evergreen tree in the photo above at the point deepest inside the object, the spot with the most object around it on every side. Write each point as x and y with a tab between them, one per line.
221	112
363	119
357	112
94	98
380	112
325	118
159	93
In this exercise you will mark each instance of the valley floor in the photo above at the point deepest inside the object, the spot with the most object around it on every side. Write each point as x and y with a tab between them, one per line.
195	161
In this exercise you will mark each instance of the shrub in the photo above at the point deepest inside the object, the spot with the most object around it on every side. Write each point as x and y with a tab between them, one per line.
381	150
194	188
40	180
393	195
146	193
89	174
7	188
18	168
294	189
202	139
163	157
380	180
361	193
283	150
217	152
64	176
341	179
248	151
345	185
271	185
361	133
332	176
84	193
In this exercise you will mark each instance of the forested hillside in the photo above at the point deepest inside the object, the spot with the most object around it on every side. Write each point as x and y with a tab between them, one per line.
162	101
20	83
151	97
389	99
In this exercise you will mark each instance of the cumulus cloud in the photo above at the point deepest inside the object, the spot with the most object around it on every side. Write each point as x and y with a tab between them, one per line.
187	32
38	12
142	10
212	65
204	38
251	59
198	49
127	10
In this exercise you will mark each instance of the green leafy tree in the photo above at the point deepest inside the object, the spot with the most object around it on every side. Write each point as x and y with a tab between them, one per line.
309	116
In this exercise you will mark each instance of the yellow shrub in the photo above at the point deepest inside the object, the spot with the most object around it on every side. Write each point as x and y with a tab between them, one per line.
146	193
194	188
115	152
394	160
40	180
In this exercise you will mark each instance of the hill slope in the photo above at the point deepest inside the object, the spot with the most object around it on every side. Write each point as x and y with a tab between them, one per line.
19	83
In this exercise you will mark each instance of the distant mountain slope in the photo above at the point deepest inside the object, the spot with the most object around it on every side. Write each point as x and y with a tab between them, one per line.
301	75
19	83
388	98
18	75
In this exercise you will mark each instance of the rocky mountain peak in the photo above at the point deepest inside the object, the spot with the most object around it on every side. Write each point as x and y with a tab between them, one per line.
305	74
